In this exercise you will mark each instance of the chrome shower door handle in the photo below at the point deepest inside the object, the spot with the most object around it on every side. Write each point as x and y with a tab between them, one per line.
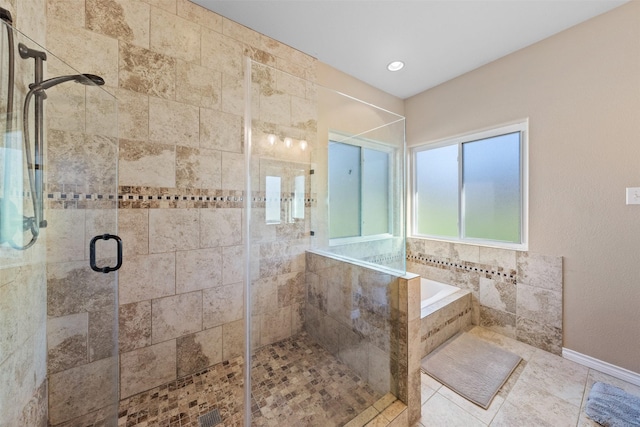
92	253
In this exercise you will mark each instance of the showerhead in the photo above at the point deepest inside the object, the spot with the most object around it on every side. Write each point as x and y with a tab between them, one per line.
85	79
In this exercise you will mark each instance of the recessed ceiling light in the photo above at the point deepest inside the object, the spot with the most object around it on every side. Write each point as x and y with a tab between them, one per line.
395	66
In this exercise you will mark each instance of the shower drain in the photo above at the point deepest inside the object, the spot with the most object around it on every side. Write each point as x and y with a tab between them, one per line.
210	419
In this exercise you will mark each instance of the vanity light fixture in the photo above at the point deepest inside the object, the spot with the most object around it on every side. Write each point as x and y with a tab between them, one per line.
395	66
303	145
287	142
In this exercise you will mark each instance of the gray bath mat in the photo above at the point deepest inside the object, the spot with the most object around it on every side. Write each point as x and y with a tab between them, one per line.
613	407
473	368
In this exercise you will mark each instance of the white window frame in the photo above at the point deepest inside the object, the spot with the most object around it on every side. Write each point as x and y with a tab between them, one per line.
520	126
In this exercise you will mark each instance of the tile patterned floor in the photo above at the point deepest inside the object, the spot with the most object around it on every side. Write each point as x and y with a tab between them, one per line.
544	390
295	383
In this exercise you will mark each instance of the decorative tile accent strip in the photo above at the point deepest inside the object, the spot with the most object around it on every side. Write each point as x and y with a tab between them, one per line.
149	197
495	273
437	328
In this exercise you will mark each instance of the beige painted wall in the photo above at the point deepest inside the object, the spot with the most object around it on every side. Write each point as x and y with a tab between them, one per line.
580	90
337	80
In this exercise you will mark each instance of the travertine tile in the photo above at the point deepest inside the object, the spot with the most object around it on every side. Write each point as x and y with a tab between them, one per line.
540	271
174	316
145	277
58	10
168	5
545	337
121	19
232	94
65	237
220	227
198	269
174	229
102	334
173	122
540	305
222	304
498	321
539	403
78	47
264	295
133	115
220	131
510	415
82	389
233	171
210	169
134	329
469	253
503	258
133	229
498	295
147	367
197	85
144	71
439	411
198	351
232	339
146	164
101	113
174	36
560	377
67	341
85	161
232	264
276	326
198	14
72	287
66	108
222	53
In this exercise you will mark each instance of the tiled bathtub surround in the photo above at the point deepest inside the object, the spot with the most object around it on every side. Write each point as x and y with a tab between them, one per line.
443	319
515	293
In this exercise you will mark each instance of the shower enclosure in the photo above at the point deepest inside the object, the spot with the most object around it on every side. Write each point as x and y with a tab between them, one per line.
58	206
325	245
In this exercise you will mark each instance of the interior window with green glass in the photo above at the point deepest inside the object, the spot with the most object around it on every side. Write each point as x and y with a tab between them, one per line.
473	189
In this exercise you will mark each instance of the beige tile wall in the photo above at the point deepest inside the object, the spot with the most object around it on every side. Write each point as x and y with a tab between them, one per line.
177	71
515	293
23	297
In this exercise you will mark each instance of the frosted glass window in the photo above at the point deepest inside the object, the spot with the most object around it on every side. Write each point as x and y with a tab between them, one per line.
473	188
491	188
273	194
375	192
344	190
436	192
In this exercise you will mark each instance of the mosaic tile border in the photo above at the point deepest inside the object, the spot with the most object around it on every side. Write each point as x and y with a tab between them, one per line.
491	272
149	197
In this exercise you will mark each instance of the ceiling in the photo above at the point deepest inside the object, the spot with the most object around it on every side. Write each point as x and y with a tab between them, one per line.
437	39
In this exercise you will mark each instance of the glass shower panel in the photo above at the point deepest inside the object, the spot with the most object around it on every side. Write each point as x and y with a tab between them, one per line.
322	326
378	202
55	199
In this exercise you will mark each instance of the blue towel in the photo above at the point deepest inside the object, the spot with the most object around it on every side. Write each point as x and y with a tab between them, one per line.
612	406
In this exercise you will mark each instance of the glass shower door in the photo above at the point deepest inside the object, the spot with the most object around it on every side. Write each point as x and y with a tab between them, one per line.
59	251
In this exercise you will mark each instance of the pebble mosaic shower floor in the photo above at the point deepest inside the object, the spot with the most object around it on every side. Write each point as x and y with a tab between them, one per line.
295	383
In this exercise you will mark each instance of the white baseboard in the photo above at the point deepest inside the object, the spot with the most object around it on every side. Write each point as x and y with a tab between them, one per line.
599	365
